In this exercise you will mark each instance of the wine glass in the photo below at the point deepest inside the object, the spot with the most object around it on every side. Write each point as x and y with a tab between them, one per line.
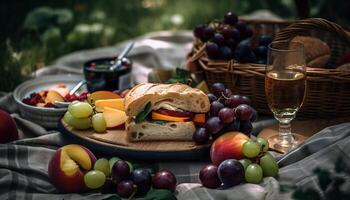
285	89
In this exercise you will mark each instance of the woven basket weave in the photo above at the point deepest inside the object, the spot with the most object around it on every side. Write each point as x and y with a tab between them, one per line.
328	91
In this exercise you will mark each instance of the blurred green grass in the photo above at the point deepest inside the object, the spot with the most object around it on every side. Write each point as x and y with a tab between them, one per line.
34	33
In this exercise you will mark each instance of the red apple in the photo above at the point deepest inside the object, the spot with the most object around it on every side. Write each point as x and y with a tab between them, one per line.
67	167
228	146
8	129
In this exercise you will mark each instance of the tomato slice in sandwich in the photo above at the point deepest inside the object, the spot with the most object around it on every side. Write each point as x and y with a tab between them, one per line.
174	113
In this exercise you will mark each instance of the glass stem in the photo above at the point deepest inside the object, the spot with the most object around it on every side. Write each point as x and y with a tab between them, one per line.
285	134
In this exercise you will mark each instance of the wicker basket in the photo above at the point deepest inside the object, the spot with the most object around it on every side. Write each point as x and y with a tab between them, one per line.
328	91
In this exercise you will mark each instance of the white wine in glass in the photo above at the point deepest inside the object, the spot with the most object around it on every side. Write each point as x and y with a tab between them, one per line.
285	89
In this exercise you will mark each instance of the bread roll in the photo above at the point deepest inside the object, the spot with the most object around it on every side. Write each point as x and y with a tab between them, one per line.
173	95
317	52
147	131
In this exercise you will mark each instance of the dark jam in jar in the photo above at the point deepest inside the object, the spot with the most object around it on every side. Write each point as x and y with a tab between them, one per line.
99	76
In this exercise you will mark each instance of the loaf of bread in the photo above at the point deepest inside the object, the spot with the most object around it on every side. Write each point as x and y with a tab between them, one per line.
174	97
317	52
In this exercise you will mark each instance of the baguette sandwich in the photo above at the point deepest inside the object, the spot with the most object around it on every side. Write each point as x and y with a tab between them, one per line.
164	111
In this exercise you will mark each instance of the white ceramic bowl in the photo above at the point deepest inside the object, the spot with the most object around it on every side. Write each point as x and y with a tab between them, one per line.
46	117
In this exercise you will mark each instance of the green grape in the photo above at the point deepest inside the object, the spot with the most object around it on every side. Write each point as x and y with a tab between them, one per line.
264	144
251	149
112	161
67	117
245	162
80	109
253	174
102	165
80	123
130	166
269	165
99	123
94	179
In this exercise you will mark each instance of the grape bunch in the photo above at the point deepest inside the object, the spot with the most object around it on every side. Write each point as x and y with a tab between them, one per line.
228	112
232	41
81	115
118	176
258	163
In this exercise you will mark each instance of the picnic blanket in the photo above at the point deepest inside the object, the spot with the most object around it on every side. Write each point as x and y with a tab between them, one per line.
23	163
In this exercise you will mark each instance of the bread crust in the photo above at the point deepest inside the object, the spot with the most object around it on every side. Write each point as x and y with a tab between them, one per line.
179	95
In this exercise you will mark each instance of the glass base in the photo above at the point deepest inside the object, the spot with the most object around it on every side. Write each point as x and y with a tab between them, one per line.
275	143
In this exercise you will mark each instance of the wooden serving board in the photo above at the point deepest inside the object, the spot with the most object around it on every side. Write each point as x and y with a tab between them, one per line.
115	142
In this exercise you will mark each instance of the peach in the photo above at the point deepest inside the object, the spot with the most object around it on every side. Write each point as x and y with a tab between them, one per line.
8	129
102	95
53	96
114	118
61	89
228	146
111	103
67	167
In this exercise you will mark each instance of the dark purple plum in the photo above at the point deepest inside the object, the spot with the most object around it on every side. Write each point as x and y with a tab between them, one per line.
213	125
201	136
227	115
215	107
126	188
218	89
212	50
231	172
218	39
212	97
143	180
234	100
244	112
120	171
230	18
164	180
209	176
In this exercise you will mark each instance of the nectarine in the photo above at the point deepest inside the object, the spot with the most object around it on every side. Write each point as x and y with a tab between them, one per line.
114	118
67	167
228	146
8	129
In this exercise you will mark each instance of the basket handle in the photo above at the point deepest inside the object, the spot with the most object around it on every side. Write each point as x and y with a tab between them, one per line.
305	25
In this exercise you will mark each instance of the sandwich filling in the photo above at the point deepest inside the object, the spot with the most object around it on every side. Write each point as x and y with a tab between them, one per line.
164	112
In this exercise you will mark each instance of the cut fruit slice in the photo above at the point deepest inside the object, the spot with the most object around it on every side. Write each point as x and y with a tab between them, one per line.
102	95
53	96
158	116
111	103
113	117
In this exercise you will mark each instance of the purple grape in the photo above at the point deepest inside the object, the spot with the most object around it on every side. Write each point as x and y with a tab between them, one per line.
265	40
218	89
227	93
213	125
143	180
232	43
120	170
234	126
215	107
201	136
233	101
230	18
164	180
227	115
241	26
231	172
248	32
246	127
243	49
108	187
228	33
208	33
254	116
225	53
244	112
212	50
209	176
198	30
246	100
126	188
211	97
261	52
218	39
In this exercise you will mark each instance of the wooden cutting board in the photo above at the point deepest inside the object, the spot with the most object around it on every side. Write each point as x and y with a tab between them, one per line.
115	141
